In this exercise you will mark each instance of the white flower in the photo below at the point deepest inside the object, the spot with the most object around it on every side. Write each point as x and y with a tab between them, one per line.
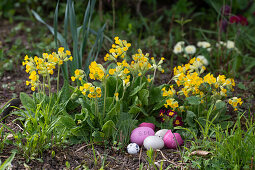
180	43
178	49
220	44
190	49
203	60
203	44
230	44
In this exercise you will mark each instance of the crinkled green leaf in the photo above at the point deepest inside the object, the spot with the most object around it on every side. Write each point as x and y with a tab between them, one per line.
143	96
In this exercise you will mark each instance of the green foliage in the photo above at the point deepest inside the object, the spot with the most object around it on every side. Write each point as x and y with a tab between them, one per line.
231	148
79	36
42	118
7	162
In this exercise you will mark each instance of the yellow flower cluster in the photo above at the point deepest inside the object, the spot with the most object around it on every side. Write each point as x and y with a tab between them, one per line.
92	91
87	89
118	49
96	71
140	64
189	78
235	101
44	66
78	74
171	102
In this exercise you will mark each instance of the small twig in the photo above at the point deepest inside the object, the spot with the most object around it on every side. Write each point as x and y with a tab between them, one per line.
140	154
166	158
252	163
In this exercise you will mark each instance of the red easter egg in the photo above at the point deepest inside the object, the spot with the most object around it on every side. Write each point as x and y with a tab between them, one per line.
145	124
172	140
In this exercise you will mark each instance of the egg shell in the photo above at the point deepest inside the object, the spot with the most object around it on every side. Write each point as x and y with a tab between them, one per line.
145	124
170	141
161	133
139	134
133	148
153	142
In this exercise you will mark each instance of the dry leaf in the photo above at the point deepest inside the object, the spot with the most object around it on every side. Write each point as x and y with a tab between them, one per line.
200	153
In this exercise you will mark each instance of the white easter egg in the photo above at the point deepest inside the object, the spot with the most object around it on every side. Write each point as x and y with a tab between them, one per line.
153	142
161	133
133	148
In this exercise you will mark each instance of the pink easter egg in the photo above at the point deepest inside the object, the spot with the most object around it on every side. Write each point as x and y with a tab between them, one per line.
145	124
139	134
171	138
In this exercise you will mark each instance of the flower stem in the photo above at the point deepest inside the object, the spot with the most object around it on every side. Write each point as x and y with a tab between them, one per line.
58	79
49	85
104	98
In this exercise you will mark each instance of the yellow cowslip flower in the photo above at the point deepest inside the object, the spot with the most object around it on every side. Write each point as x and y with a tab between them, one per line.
96	71
126	71
68	52
111	71
234	102
61	49
73	78
92	89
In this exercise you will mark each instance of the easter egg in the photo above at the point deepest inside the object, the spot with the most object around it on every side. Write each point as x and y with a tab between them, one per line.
139	134
133	148
145	124
161	133
153	142
172	140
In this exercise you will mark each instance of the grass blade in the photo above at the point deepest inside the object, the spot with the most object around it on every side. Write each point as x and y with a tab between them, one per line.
56	25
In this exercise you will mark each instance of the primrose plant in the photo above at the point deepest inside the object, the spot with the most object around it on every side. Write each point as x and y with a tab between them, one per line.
196	93
40	118
125	87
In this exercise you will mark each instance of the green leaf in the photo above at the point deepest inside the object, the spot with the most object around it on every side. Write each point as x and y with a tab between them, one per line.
220	105
193	100
56	25
108	128
8	161
159	105
109	103
135	109
80	131
27	101
65	93
155	95
67	121
241	86
98	136
190	118
82	116
137	89
113	113
143	96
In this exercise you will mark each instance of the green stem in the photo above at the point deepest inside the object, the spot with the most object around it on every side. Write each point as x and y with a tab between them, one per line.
104	97
58	79
49	84
43	84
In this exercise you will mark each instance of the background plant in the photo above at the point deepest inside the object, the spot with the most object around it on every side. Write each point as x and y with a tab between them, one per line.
79	35
233	148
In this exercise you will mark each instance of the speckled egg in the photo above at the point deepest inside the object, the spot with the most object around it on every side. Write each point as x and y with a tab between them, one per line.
153	142
161	133
145	124
139	134
171	138
133	148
